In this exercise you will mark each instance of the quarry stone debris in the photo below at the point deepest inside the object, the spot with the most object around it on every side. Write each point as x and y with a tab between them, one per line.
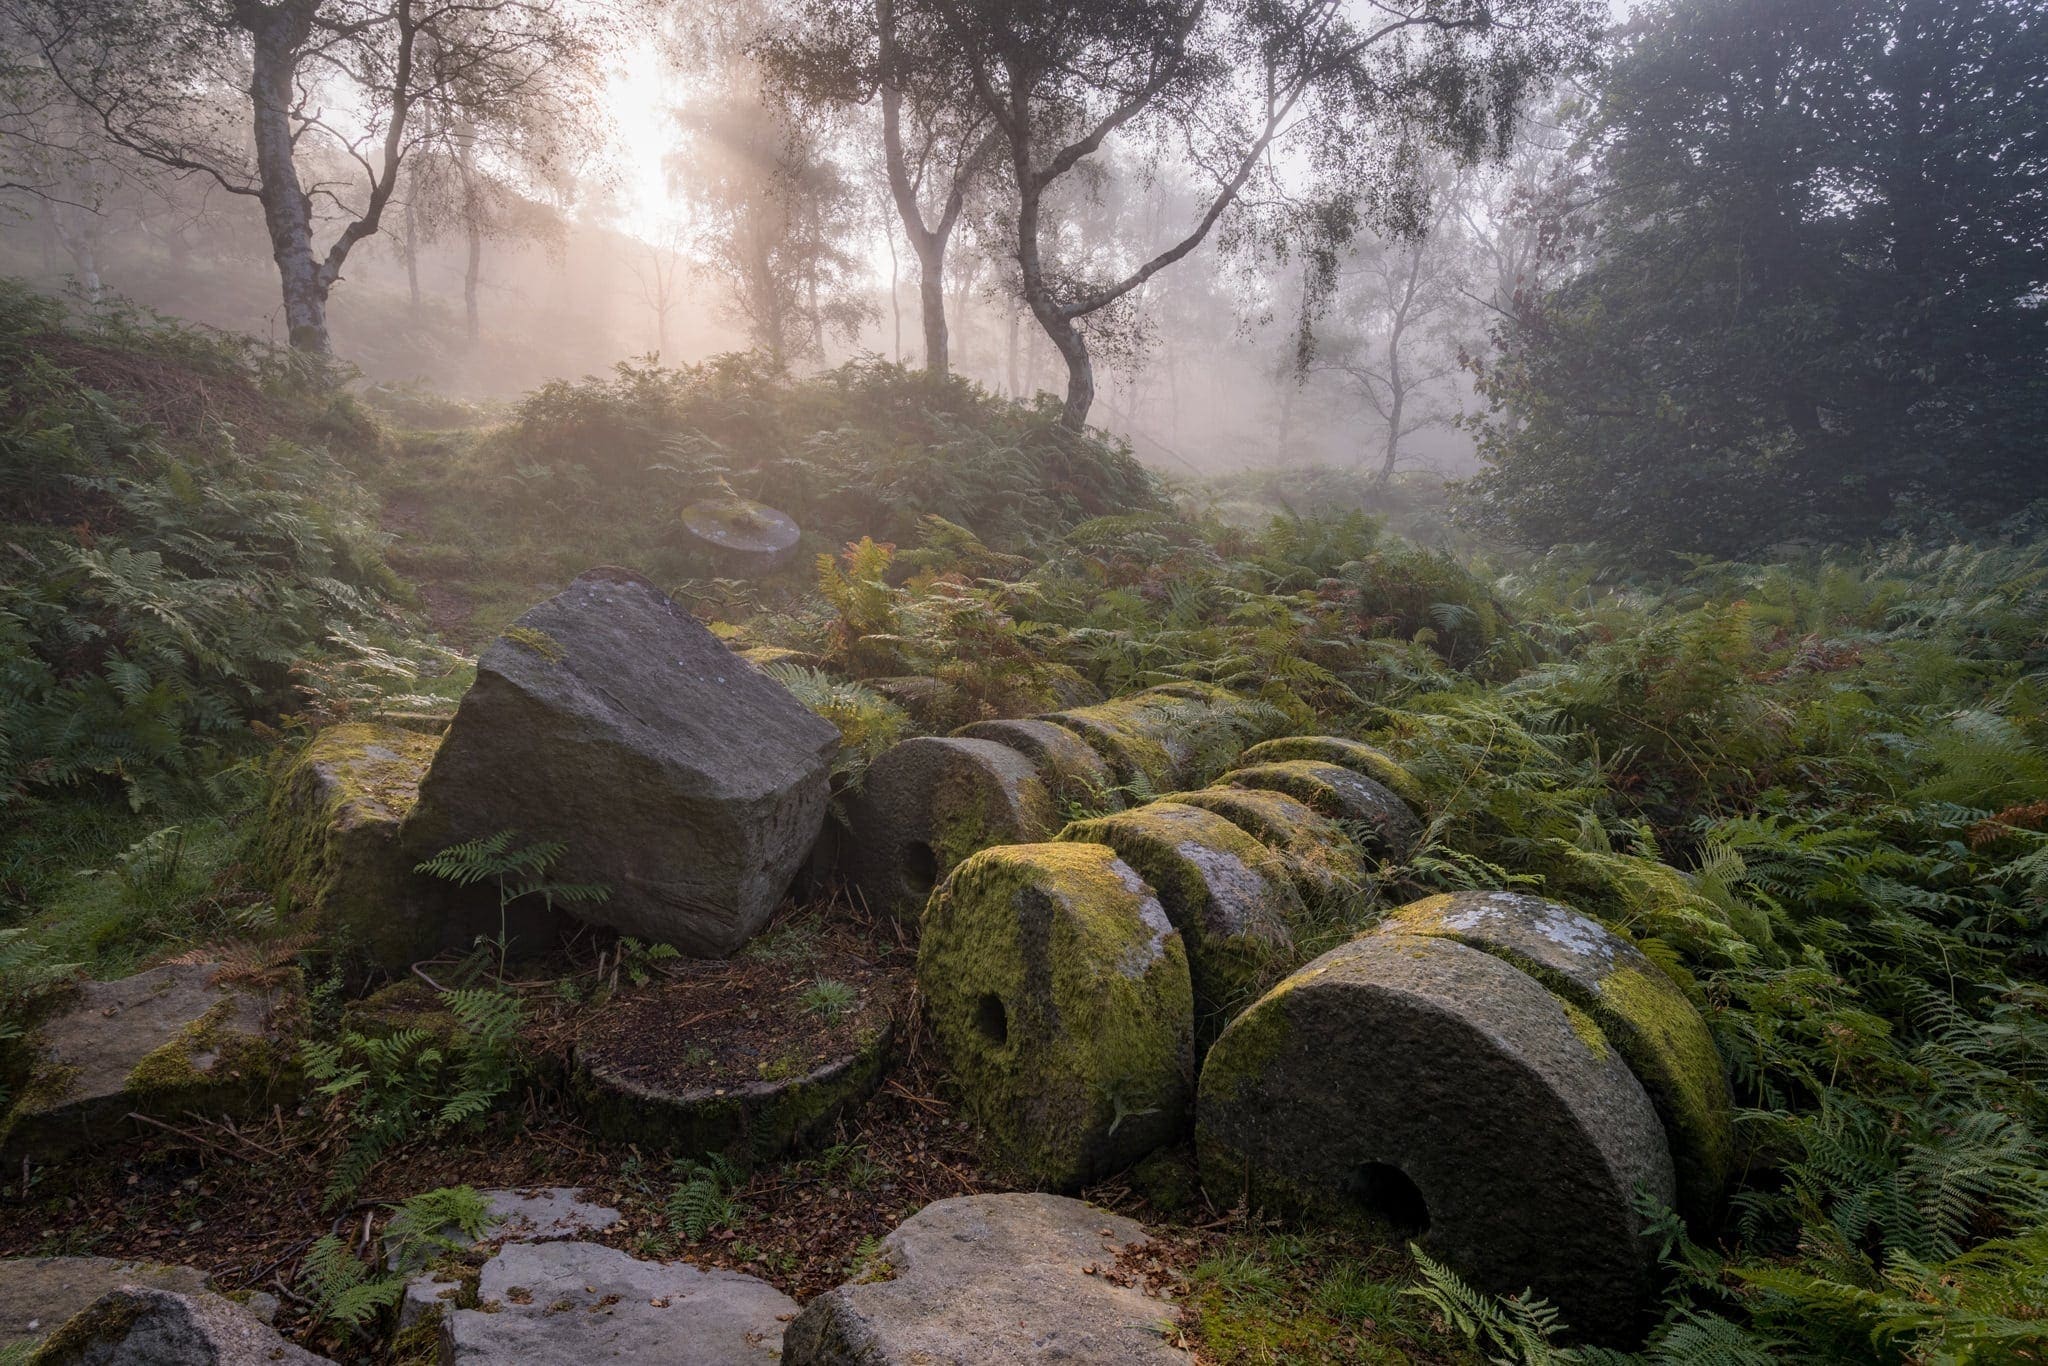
151	1326
990	1280
585	1302
1408	1083
681	778
159	1043
1058	992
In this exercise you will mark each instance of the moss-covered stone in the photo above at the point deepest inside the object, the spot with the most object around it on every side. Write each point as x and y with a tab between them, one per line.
1415	1088
1381	821
1058	993
1634	1004
1176	735
929	803
749	1119
329	845
1324	863
1068	765
1355	755
161	1043
1224	892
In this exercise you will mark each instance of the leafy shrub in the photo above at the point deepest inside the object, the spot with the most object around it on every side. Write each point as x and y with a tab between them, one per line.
161	589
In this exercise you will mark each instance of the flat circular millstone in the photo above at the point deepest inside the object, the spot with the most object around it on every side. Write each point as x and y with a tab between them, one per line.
743	535
1658	1032
1381	820
1323	861
1355	755
750	1056
1421	1089
1222	889
1067	764
1058	993
928	803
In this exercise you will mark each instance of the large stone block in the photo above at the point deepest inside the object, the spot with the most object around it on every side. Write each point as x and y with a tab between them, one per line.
1058	993
928	803
991	1280
679	776
330	849
1223	890
1420	1088
146	1326
1658	1032
38	1294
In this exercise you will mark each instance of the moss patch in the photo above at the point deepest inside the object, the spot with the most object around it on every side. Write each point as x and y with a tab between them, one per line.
538	641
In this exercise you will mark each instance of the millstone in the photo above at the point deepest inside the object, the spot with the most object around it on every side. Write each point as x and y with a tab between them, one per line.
1173	736
1222	890
1058	992
1068	765
634	1083
1323	862
1384	824
1413	1086
1657	1030
927	804
1355	755
742	537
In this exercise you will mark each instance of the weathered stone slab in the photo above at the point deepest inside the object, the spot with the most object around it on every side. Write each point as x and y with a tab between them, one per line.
1659	1033
1223	890
577	1302
1058	993
928	803
143	1326
541	1214
162	1042
683	779
329	847
1068	765
1381	821
1315	852
1411	1085
991	1280
38	1294
1355	755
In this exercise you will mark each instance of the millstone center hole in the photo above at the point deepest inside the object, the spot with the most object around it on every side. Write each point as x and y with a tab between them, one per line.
920	868
992	1018
1386	1195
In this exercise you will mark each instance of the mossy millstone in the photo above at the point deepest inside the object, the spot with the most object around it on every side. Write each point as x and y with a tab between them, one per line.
1660	1035
741	536
160	1043
1176	735
1222	890
1384	823
1355	755
329	846
629	1099
1323	862
1408	1083
928	803
1058	993
1068	765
